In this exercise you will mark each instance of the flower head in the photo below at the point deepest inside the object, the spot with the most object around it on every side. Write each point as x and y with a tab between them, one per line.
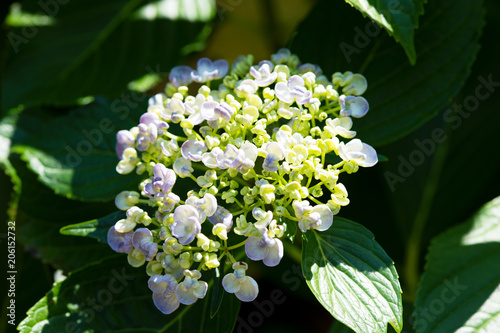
264	146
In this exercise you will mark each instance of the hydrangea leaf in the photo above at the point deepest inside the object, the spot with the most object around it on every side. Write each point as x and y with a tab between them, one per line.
398	18
450	297
74	154
87	52
40	214
97	228
110	296
352	277
402	97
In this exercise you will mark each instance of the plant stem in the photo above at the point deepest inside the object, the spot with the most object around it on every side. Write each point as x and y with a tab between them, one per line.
413	248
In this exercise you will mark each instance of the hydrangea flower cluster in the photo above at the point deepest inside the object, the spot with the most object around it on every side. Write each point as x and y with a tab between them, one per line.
257	156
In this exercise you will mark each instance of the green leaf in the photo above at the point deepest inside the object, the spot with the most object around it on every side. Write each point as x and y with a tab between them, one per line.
97	47
402	97
398	18
40	215
75	154
110	296
352	277
97	228
459	289
217	294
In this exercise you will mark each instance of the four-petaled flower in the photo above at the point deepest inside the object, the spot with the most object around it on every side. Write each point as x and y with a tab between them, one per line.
163	288
208	70
238	283
186	224
293	91
189	290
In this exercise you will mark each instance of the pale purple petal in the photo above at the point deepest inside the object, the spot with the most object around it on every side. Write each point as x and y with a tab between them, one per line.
248	290
186	224
193	150
222	215
208	110
353	106
275	254
124	139
163	287
230	283
120	242
144	242
208	70
224	111
256	248
180	76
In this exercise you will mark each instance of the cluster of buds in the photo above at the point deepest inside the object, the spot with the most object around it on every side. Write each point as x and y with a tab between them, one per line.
257	156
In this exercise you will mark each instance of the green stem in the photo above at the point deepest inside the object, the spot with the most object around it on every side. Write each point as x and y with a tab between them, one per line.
293	252
414	242
236	246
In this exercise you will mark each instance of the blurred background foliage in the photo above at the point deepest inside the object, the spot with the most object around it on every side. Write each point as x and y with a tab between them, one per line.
67	64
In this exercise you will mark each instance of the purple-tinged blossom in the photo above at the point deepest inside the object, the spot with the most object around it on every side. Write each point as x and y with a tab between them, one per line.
148	133
120	242
208	110
210	159
149	118
319	217
189	290
143	241
181	76
244	287
206	206
223	216
162	181
169	202
293	91
265	248
224	111
163	288
353	106
182	167
275	154
355	150
308	67
193	150
124	139
340	126
208	70
263	74
242	159
175	109
281	56
186	224
250	154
